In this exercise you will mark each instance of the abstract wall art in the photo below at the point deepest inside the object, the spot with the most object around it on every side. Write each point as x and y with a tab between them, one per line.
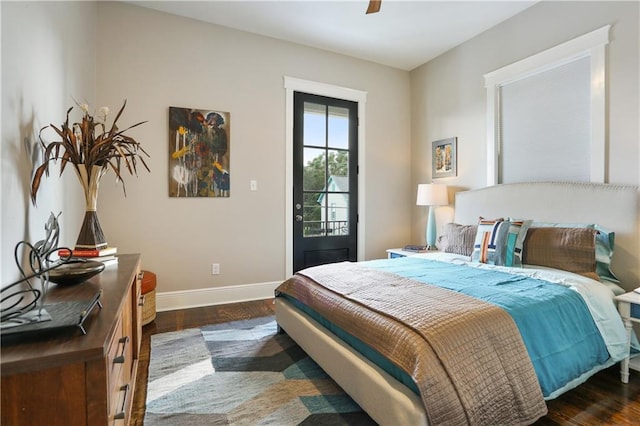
199	153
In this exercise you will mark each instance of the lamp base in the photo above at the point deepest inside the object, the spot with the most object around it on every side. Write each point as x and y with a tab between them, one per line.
431	229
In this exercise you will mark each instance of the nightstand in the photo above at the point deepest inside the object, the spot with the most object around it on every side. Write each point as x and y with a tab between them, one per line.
629	308
400	252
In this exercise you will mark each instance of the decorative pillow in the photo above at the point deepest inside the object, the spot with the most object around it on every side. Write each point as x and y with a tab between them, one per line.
604	252
515	241
457	239
490	242
605	243
568	249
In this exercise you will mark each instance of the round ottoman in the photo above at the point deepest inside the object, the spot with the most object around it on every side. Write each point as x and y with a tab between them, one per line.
149	293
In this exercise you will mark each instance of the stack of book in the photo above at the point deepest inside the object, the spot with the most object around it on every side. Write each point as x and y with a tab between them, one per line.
106	255
415	248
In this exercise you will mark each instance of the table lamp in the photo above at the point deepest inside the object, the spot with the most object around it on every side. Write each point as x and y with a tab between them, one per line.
432	195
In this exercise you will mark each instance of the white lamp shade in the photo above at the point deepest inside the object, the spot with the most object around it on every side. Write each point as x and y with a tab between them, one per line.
432	194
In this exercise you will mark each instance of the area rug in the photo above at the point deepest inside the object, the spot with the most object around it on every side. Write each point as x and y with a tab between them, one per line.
241	373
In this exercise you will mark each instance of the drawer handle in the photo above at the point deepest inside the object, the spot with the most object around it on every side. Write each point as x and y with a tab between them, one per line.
120	358
141	300
122	414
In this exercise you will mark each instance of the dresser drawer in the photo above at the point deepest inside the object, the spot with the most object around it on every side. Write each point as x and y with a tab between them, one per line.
121	364
119	398
129	331
116	354
92	375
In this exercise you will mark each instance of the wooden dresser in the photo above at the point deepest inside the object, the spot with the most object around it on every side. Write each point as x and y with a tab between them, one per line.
67	378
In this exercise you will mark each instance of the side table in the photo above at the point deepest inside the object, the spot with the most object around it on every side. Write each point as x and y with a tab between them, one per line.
629	308
401	252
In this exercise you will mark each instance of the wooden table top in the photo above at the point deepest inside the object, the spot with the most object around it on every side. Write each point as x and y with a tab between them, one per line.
47	349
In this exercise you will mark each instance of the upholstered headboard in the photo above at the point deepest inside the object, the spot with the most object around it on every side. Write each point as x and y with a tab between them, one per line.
612	206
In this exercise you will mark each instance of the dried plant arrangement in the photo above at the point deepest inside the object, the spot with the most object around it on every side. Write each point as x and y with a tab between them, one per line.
92	149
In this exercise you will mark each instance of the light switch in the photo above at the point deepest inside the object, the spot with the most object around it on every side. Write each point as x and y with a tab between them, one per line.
253	185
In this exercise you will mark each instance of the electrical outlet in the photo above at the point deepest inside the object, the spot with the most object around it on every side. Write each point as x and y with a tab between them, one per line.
215	268
253	185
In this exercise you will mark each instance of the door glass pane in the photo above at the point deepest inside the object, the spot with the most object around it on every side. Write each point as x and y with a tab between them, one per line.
312	223
314	178
338	127
336	214
338	170
314	126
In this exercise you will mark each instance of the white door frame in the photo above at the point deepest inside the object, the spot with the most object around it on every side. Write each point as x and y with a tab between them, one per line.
291	85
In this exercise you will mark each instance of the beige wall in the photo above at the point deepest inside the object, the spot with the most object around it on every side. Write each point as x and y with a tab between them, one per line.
156	60
48	60
448	93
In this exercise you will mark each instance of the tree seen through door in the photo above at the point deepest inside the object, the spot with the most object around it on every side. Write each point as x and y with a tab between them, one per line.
327	211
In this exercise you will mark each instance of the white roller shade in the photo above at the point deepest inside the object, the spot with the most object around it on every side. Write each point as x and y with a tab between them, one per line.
545	125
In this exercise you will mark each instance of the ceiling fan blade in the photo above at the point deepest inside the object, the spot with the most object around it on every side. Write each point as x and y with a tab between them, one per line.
374	6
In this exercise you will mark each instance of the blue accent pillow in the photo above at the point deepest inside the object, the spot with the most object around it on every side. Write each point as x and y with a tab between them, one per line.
605	240
515	241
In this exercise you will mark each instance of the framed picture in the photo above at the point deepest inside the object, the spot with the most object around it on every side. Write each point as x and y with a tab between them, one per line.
199	153
444	158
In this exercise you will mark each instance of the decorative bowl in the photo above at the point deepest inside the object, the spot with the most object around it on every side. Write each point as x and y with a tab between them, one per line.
75	271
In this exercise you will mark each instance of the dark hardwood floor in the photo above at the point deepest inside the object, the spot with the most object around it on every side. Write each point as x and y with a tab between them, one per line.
602	400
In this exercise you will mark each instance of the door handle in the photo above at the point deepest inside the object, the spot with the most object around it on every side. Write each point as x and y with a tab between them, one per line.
298	218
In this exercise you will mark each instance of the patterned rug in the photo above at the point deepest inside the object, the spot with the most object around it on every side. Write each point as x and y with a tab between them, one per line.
241	373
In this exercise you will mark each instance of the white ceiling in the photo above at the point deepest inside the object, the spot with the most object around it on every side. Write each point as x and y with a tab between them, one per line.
404	34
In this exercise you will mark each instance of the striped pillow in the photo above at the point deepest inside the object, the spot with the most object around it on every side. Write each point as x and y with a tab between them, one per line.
515	241
490	243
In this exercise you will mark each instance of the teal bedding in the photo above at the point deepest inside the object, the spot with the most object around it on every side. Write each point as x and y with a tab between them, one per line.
555	323
559	332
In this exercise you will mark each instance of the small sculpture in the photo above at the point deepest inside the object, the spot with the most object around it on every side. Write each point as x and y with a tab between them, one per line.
22	302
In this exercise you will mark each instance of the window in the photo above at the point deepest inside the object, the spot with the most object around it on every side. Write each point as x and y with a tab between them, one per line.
546	114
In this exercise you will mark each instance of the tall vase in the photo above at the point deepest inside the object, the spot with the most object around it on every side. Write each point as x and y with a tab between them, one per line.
91	235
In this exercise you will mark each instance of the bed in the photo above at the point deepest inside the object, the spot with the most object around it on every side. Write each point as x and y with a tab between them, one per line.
477	354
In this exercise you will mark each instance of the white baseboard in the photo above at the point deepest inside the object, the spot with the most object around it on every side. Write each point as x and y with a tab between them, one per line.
186	299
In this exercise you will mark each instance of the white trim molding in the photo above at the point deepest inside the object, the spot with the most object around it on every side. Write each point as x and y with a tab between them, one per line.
291	85
592	45
172	300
